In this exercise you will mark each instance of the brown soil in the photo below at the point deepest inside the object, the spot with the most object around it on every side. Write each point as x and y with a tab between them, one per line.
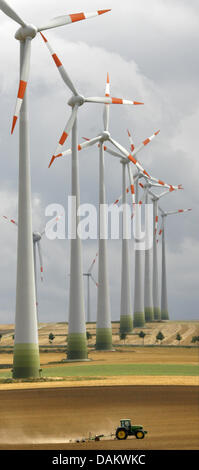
48	418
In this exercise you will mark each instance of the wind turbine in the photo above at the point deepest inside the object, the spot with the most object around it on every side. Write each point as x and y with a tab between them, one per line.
164	298
89	277
26	349
155	199
103	328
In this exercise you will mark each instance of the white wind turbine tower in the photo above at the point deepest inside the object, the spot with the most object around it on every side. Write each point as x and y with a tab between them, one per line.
89	276
164	298
156	298
103	328
26	349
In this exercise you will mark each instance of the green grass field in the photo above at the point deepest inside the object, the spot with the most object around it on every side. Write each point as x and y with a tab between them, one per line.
116	370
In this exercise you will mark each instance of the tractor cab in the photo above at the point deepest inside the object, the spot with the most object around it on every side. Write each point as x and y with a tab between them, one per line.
127	429
125	423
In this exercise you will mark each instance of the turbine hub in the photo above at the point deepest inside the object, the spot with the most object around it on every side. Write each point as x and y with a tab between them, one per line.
36	237
105	136
78	100
24	32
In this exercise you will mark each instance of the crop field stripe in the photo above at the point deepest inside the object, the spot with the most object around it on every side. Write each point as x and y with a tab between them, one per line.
118	370
121	369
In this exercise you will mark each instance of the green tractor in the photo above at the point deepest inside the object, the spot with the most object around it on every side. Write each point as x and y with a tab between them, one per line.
126	429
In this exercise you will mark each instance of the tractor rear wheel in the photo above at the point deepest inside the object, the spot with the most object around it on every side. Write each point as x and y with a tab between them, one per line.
140	435
121	433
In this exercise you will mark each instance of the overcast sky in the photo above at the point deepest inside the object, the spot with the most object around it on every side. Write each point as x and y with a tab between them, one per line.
150	50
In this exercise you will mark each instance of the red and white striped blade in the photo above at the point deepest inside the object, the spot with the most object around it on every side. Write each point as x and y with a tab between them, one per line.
156	224
10	12
132	145
65	134
179	211
110	100
81	146
40	259
60	66
106	106
140	167
129	156
23	81
162	183
120	197
93	263
132	188
71	18
95	282
144	143
9	220
160	231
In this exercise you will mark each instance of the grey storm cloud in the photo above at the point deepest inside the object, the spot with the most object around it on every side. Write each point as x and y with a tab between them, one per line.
150	50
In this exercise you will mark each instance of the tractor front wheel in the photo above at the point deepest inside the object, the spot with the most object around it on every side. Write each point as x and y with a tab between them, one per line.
139	435
121	433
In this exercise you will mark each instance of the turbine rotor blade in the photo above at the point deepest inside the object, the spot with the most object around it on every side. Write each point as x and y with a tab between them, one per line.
132	145
68	19
179	211
60	67
106	106
132	187
144	143
115	154
23	81
92	264
81	146
65	133
109	100
11	13
95	282
10	220
40	259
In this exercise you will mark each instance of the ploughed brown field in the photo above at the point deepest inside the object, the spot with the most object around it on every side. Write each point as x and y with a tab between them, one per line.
48	418
47	415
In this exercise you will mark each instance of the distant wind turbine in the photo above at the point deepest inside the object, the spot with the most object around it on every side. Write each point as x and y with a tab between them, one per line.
89	276
164	298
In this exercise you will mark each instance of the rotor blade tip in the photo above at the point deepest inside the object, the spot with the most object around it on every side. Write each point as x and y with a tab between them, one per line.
107	77
138	102
52	160
44	38
13	123
101	12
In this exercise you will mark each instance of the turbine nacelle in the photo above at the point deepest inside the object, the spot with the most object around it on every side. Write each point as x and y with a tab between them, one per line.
28	31
36	237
